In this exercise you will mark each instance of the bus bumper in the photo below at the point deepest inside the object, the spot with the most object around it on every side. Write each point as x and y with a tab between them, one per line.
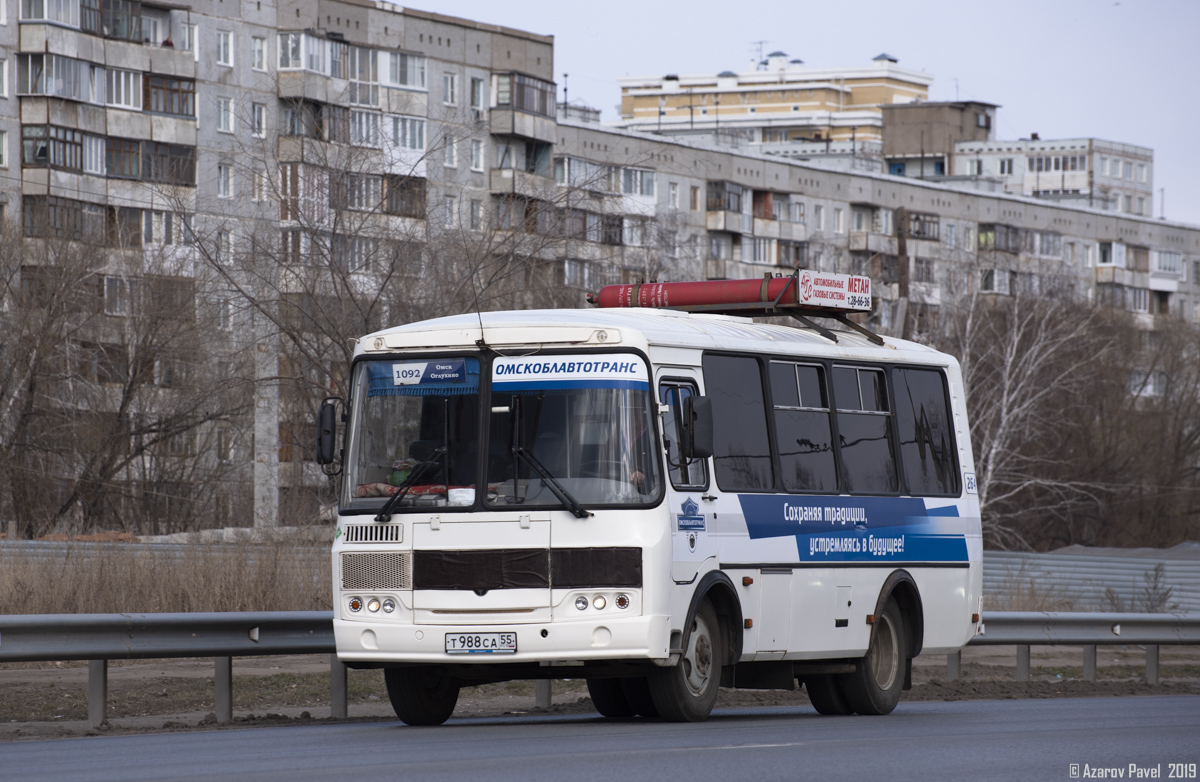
632	638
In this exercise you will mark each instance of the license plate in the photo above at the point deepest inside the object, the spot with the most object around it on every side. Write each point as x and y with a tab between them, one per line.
481	643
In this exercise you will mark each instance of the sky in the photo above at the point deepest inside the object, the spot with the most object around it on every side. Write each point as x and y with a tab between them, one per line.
1122	70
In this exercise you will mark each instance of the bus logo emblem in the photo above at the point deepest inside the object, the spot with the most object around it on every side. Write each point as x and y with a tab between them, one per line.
691	518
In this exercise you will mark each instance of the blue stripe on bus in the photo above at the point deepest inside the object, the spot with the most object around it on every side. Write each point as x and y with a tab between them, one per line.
856	529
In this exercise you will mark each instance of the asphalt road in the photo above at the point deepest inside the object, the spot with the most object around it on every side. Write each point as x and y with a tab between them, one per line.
975	740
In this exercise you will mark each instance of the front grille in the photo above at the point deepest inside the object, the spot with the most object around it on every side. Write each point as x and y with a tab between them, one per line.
373	533
377	570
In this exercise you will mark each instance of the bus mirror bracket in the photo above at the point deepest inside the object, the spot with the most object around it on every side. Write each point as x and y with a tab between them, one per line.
327	433
697	435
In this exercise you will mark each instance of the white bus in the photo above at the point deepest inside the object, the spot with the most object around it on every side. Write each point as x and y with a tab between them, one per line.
658	502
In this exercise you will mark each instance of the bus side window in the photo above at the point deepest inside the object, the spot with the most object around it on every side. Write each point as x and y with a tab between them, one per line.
864	430
927	446
741	447
802	429
692	475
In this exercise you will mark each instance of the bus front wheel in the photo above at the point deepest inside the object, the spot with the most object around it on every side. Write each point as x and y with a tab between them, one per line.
608	696
422	695
874	687
688	691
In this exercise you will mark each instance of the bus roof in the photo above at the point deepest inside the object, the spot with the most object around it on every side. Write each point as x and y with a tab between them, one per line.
637	327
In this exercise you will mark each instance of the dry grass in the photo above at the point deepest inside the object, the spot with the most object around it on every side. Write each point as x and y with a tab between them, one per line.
1020	591
136	578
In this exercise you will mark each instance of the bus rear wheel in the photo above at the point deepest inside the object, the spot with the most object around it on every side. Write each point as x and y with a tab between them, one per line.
688	691
874	687
825	693
424	695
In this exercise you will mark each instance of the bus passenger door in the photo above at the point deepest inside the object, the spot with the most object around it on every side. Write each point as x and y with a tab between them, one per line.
692	533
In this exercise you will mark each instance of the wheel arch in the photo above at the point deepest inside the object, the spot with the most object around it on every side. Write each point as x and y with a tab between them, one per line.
903	587
716	586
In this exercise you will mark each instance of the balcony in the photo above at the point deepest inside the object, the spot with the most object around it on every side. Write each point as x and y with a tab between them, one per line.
523	183
729	222
509	122
865	241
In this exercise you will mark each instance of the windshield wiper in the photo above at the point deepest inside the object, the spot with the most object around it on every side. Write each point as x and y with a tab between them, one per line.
385	513
563	495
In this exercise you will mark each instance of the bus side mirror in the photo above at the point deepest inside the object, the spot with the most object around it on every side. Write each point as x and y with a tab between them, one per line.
697	428
327	430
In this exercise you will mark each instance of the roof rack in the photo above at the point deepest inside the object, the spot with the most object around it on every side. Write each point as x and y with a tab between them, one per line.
802	295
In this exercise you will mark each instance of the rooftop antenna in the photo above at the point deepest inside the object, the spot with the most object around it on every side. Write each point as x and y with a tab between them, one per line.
759	46
565	98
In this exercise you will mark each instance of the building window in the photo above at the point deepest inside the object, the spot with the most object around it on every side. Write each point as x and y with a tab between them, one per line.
123	89
478	98
364	128
224	115
819	217
637	181
1141	205
838	226
225	48
952	235
694	199
406	70
3	74
1129	171
408	133
171	96
1128	204
224	181
363	70
124	158
289	51
525	93
450	89
1006	166
673	195
450	213
3	149
923	271
224	247
123	20
117	294
258	53
172	164
476	155
258	120
259	185
1141	172
450	158
976	167
476	215
405	196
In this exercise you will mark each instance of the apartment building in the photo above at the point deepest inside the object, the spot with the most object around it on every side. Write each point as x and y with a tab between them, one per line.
1102	174
222	150
781	105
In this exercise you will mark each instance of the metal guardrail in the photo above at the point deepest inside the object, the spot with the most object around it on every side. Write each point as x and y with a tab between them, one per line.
99	638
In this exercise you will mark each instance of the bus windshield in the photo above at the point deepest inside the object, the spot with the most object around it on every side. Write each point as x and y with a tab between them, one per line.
416	425
562	431
586	421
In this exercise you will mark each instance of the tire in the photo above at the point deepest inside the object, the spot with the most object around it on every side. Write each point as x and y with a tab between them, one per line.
688	691
608	696
874	688
825	692
637	694
423	695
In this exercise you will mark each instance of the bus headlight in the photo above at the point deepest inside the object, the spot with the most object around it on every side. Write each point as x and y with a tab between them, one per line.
581	602
598	602
389	605
373	605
